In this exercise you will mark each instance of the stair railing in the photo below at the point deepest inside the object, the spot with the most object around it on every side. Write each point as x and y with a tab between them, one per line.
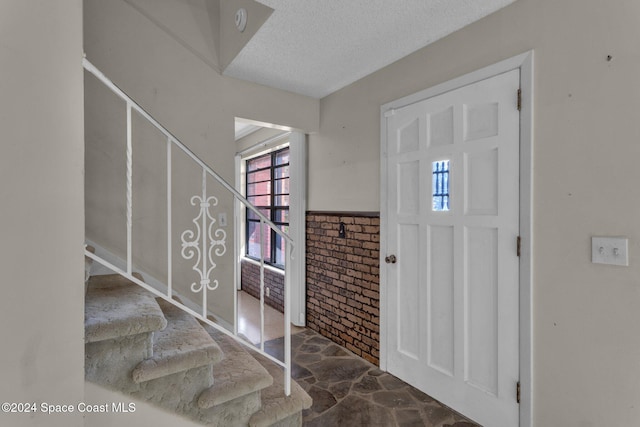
200	244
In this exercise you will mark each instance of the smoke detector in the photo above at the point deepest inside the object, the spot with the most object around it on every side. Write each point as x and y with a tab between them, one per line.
241	19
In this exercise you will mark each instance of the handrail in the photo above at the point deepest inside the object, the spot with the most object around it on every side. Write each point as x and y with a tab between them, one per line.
96	72
203	222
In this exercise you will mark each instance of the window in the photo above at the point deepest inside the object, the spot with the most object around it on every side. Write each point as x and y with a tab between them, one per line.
440	199
267	178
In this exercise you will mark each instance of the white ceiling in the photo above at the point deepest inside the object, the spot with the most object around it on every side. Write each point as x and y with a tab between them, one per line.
315	47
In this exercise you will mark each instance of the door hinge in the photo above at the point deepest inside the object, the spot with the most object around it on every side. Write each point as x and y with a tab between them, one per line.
518	392
519	99
518	244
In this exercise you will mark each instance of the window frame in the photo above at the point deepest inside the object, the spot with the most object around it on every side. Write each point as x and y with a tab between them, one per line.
273	208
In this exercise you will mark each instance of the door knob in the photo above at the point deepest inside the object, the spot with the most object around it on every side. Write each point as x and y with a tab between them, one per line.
391	259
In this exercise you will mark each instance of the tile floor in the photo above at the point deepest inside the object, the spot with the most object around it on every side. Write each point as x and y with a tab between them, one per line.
346	389
349	391
249	320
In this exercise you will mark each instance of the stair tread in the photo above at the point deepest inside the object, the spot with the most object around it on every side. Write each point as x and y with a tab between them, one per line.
236	375
275	405
116	307
182	345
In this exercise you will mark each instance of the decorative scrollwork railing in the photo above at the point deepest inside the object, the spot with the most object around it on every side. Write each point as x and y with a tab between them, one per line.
202	244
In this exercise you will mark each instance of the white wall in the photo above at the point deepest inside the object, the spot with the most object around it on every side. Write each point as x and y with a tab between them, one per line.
41	208
586	150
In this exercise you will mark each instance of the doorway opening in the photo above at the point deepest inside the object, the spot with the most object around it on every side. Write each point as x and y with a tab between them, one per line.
270	172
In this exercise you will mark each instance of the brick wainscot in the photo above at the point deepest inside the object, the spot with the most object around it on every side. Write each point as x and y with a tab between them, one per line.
273	280
343	285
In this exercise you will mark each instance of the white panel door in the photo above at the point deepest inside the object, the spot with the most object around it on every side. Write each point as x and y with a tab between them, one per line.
453	209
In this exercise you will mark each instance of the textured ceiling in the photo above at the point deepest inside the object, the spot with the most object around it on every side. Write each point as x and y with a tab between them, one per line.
315	47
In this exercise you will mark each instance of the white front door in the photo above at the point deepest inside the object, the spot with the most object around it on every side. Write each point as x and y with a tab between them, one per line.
452	265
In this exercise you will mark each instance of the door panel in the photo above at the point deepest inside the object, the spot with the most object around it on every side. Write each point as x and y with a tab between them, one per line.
409	188
453	209
481	171
441	128
480	121
408	138
440	298
408	293
481	288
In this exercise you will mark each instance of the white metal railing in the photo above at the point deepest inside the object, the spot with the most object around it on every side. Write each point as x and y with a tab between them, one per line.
202	243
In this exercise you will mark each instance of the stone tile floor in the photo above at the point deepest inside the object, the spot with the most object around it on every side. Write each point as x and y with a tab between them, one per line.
349	391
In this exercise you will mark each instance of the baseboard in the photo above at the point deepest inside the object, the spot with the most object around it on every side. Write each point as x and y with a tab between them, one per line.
98	269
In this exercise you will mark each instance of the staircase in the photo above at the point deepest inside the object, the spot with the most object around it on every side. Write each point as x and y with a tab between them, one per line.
143	341
151	350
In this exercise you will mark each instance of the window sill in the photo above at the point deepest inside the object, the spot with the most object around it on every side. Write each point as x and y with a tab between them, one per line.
266	266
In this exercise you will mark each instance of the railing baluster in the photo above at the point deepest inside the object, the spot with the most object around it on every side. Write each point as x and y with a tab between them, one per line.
169	220
129	189
287	317
237	272
261	231
205	234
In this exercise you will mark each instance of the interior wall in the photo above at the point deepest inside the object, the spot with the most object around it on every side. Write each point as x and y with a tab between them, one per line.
41	194
198	106
192	23
586	350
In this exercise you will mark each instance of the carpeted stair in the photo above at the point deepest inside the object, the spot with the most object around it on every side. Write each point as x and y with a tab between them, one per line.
150	349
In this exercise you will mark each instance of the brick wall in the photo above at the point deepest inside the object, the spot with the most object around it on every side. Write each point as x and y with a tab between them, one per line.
343	286
250	283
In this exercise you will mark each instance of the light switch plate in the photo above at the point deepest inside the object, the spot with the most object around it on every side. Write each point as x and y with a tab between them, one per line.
222	219
610	250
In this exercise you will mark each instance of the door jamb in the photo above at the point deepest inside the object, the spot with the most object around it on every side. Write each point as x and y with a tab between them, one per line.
524	62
